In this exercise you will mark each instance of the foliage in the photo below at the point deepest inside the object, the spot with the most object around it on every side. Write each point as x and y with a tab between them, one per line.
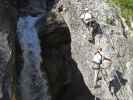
126	8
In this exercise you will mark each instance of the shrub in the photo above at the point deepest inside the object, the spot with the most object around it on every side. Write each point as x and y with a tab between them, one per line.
126	8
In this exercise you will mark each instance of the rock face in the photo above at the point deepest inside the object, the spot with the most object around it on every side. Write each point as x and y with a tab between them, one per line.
130	78
7	48
65	79
114	41
67	51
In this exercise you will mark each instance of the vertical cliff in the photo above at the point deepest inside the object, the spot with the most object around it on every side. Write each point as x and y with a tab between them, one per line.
115	41
7	49
67	50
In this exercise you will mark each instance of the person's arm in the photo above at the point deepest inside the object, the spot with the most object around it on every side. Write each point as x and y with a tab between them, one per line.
97	52
105	58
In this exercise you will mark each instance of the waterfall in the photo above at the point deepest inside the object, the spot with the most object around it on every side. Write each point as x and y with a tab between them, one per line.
33	86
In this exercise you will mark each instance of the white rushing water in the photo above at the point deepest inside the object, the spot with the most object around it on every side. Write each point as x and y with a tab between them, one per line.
33	85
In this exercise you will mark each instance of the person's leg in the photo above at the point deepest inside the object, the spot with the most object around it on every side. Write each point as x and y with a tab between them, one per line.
91	39
96	78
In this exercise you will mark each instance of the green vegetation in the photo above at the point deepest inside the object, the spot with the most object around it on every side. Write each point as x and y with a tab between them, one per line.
126	8
110	21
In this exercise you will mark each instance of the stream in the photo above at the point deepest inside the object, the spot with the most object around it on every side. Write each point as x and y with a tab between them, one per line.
33	84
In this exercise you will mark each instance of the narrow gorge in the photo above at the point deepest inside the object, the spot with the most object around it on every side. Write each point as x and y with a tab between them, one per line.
46	49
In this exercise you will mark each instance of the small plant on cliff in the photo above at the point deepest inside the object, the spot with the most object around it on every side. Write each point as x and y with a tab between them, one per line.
126	8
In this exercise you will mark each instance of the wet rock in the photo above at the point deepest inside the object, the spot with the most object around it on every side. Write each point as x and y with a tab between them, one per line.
7	49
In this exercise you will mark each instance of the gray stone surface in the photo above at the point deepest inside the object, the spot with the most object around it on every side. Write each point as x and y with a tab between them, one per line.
7	26
114	41
67	53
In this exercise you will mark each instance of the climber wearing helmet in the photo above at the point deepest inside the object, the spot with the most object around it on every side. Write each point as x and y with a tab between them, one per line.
90	21
98	60
87	17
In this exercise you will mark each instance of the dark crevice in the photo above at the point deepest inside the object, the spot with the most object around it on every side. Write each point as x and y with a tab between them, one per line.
19	63
65	79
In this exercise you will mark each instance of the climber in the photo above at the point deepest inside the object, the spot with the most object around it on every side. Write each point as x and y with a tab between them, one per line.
87	17
91	23
98	60
116	83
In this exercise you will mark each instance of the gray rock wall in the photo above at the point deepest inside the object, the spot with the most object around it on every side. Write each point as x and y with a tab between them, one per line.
7	49
114	41
67	53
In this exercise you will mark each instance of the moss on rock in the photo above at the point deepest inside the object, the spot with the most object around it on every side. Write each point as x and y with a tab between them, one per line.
126	7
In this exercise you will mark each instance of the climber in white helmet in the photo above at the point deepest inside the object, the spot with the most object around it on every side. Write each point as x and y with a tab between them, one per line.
86	17
98	60
92	25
